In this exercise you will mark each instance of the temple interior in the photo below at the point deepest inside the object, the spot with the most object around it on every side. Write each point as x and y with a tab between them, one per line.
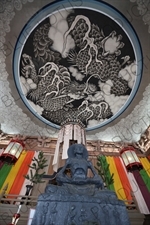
74	71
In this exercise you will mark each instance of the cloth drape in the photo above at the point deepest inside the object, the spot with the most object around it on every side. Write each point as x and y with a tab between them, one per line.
123	177
146	164
104	165
145	178
13	172
4	171
142	187
138	195
19	178
25	182
117	182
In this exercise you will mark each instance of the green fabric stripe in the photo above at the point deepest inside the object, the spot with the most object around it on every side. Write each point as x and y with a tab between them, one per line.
145	178
4	171
107	173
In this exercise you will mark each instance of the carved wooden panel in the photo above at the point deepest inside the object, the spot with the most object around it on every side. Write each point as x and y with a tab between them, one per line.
48	145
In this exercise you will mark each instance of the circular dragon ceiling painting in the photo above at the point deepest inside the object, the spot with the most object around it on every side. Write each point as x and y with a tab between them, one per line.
78	60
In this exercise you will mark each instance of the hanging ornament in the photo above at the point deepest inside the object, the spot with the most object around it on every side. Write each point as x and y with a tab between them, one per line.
130	158
12	152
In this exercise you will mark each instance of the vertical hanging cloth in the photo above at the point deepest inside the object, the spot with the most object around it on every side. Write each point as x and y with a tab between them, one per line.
123	177
83	136
19	178
13	172
77	133
67	137
117	182
146	164
67	132
107	173
142	187
57	149
27	172
146	178
4	171
138	195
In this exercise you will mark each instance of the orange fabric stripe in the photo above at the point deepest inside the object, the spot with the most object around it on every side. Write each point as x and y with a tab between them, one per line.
19	179
13	172
123	178
117	182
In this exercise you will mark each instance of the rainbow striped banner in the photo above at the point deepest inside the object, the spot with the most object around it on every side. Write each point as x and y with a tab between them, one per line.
138	195
13	175
27	182
146	165
4	172
124	182
121	184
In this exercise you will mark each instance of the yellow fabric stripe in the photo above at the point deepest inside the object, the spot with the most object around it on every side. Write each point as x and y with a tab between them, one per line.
23	189
12	174
146	165
117	182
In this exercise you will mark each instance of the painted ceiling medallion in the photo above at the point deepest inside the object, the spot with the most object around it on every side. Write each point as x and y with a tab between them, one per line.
79	61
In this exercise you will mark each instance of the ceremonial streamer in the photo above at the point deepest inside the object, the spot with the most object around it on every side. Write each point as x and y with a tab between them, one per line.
138	195
143	188
107	173
123	178
26	182
145	178
146	164
4	171
119	189
19	179
13	172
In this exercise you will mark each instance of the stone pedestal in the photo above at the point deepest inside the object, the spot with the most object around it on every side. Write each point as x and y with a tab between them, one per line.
79	205
79	199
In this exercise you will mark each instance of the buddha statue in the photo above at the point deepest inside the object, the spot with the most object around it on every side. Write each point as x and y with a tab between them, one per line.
78	199
78	164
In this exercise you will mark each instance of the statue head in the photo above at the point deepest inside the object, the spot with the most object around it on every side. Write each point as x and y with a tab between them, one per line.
77	151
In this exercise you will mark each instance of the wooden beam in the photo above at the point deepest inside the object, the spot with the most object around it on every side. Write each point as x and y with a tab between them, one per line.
47	144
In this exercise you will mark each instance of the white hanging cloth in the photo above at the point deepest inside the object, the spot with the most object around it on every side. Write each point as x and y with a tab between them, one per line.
67	132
